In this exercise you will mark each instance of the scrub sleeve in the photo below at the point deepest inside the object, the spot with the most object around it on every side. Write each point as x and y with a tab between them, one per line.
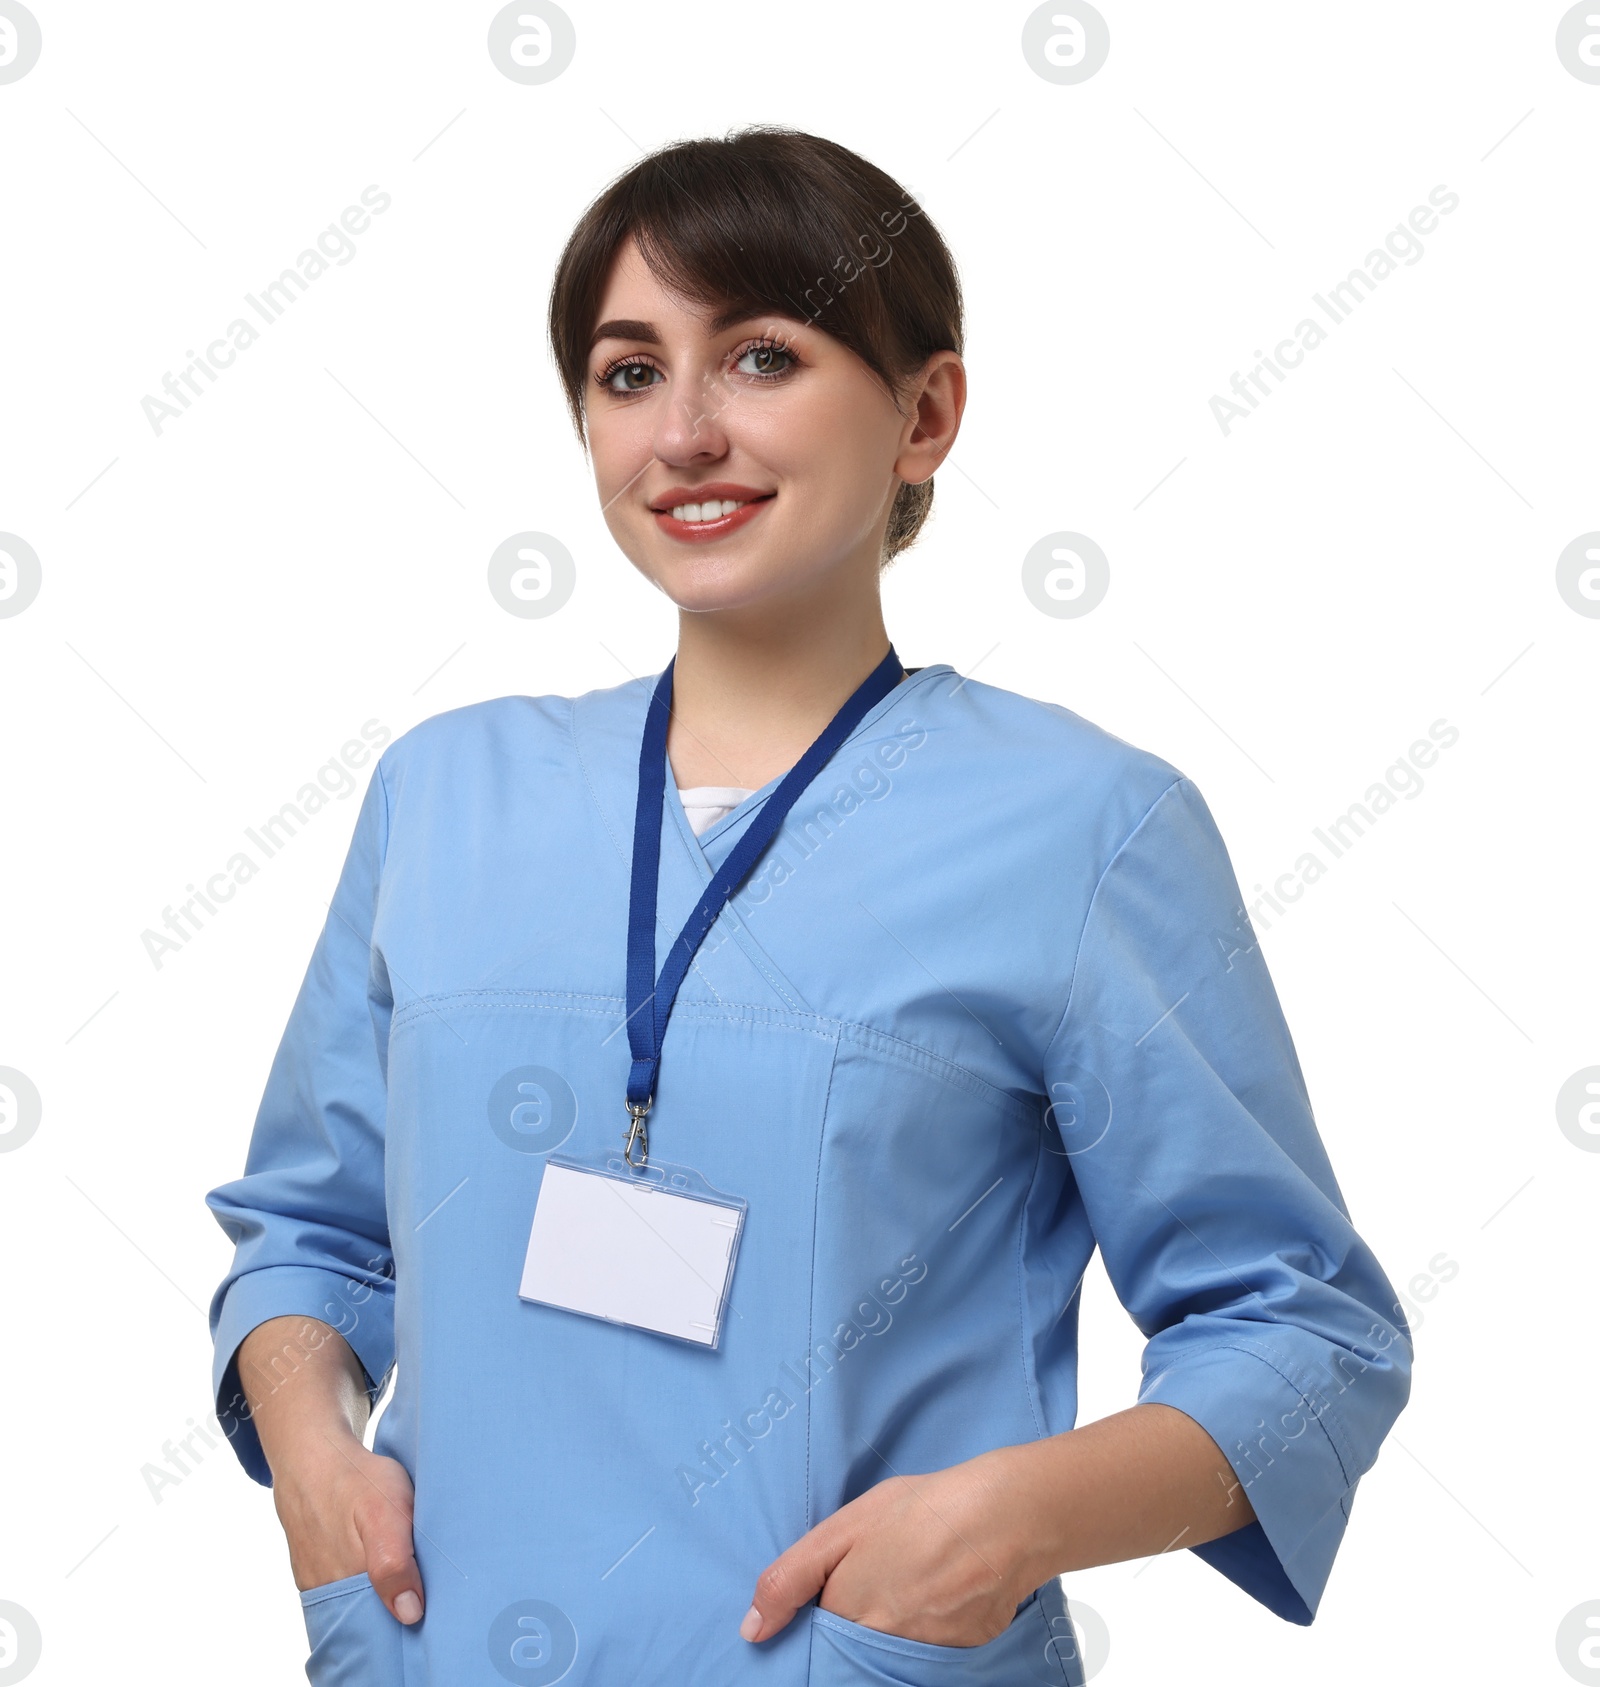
308	1220
1181	1103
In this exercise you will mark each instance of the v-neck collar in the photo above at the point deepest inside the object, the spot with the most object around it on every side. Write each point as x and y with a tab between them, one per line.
606	726
700	846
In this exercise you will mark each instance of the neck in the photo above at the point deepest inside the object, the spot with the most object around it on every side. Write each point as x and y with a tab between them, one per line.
750	694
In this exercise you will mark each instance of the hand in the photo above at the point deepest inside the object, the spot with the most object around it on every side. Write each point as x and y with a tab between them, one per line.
930	1558
344	1510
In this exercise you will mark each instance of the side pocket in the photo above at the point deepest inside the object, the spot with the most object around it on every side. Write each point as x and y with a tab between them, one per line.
846	1654
355	1640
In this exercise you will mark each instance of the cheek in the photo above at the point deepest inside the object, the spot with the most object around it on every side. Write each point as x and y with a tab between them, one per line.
619	446
840	452
854	460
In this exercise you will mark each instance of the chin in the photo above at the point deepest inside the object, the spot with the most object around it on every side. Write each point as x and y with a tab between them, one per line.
703	588
704	579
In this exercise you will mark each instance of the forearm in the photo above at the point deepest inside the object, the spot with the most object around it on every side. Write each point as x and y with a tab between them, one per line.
306	1389
343	1509
1139	1482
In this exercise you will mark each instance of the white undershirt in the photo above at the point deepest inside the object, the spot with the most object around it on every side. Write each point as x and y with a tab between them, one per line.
705	805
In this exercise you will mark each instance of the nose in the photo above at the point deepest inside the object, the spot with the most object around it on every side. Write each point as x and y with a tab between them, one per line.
689	426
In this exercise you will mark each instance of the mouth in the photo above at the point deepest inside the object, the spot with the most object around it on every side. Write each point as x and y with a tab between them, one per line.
709	517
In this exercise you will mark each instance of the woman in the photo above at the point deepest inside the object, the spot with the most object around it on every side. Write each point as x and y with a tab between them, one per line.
732	1275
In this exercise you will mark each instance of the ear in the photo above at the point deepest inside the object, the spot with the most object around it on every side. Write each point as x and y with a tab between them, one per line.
938	397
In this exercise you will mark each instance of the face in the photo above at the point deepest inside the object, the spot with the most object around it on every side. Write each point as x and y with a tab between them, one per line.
751	462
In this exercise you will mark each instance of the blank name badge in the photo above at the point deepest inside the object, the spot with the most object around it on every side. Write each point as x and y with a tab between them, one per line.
652	1248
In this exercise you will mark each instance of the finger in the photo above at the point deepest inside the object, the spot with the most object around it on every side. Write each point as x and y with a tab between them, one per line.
391	1562
794	1577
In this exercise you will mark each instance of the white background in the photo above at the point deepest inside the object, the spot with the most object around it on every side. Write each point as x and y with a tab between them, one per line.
1374	549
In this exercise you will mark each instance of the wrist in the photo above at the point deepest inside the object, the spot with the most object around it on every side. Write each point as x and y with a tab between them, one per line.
1034	1509
310	1455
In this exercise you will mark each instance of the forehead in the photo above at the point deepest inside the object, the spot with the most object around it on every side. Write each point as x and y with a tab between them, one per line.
636	304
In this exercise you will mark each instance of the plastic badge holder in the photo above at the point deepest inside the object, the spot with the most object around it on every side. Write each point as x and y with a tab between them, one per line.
652	1247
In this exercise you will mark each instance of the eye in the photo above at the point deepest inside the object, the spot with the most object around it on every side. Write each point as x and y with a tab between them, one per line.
627	374
761	360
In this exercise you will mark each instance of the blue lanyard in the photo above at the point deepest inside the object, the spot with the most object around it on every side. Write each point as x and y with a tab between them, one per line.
650	998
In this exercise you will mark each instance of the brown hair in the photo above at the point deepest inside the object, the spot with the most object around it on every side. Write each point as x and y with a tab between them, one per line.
772	219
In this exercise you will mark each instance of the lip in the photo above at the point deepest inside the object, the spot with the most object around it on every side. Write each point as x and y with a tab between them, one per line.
752	503
675	495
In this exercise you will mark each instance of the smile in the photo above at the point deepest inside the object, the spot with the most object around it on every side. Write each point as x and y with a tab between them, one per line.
711	518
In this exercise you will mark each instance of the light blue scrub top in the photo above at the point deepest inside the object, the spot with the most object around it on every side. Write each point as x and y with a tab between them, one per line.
989	1001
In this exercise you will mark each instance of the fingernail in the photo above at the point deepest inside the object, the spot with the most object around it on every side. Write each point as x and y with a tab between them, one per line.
751	1626
407	1607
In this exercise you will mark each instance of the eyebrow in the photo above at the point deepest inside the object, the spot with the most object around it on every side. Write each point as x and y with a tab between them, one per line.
630	328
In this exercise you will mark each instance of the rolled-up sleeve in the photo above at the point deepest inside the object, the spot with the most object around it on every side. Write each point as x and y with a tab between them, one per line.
1178	1095
307	1218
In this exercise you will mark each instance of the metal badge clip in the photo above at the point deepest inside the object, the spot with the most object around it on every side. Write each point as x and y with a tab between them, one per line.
637	1133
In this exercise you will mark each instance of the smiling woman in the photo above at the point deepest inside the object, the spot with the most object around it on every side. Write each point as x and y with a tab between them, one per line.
698	219
627	1167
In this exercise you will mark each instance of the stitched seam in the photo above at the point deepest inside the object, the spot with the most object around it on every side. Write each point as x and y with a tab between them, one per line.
1077	954
383	786
897	1644
768	1019
690	844
1030	1380
938	1066
699	863
820	1025
334	1591
1071	1673
811	1297
1050	1640
1327	1420
571	1001
734	817
1302	1389
760	959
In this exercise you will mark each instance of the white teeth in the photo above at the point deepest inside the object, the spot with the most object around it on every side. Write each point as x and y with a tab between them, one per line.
712	510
